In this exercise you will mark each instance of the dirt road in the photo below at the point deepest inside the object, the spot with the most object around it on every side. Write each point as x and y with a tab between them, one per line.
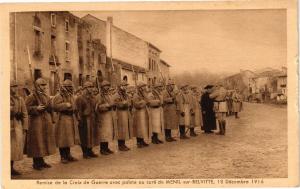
254	146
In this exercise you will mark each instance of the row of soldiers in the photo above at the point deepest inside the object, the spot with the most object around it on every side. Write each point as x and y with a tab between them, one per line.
99	114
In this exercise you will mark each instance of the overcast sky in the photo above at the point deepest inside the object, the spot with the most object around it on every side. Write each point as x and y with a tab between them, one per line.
214	40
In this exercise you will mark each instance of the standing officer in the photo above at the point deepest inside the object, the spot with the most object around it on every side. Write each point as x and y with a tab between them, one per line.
155	100
141	117
237	103
171	111
185	111
66	128
220	107
105	120
85	113
196	115
40	136
208	114
18	125
123	121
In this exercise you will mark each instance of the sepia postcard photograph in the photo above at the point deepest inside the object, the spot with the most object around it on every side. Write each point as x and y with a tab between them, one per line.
149	94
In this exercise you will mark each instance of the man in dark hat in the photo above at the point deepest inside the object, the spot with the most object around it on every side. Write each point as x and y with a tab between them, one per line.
18	126
40	136
85	113
66	131
208	114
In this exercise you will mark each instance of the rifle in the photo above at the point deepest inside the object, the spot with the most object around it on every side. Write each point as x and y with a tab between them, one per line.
31	78
164	80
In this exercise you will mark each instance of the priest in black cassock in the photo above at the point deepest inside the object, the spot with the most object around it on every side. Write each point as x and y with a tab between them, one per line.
208	114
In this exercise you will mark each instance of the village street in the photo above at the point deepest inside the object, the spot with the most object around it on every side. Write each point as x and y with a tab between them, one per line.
255	146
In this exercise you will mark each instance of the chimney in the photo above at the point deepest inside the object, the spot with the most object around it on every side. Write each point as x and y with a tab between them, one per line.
109	24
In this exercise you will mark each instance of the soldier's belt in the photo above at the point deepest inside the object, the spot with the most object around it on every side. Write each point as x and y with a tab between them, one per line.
67	112
122	108
154	106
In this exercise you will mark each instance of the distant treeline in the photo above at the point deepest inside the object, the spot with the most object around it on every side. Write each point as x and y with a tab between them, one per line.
198	78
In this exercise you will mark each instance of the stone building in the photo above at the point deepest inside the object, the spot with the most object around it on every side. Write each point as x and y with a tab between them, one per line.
165	69
41	36
125	51
63	46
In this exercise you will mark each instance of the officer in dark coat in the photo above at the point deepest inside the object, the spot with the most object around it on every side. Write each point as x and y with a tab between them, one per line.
208	114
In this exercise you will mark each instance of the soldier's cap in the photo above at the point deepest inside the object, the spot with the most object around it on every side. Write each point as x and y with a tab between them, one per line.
105	83
67	83
88	84
141	84
41	81
171	82
13	83
184	86
208	86
124	83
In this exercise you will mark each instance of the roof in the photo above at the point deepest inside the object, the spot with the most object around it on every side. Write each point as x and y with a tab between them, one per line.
128	66
154	47
165	63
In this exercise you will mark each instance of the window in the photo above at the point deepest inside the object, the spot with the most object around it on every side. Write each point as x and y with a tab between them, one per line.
68	76
67	25
53	19
99	58
37	42
80	79
93	58
99	76
149	63
53	43
87	77
37	74
88	56
125	78
67	50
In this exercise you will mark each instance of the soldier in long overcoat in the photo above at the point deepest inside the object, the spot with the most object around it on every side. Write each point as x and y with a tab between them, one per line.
85	114
141	125
184	103
220	106
171	110
41	131
18	125
105	119
208	114
66	126
237	103
196	115
155	101
123	103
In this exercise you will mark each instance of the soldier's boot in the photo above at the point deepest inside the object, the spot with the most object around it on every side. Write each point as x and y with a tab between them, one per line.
85	152
63	156
144	143
43	163
107	148
224	127
139	143
91	153
236	115
69	156
37	164
155	138
103	149
168	135
122	146
13	171
220	128
182	132
192	132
